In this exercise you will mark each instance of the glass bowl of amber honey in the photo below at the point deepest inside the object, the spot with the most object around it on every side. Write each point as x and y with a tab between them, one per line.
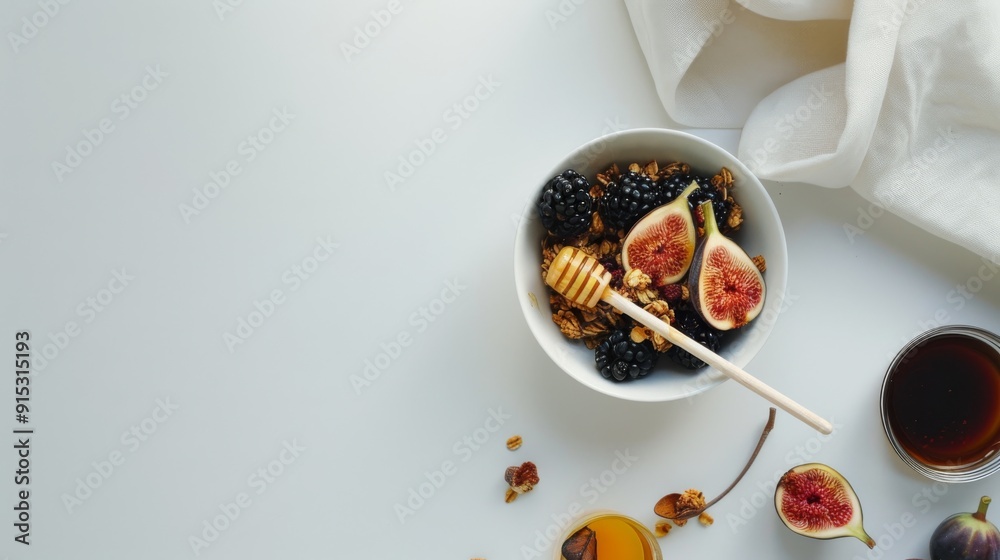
940	403
604	534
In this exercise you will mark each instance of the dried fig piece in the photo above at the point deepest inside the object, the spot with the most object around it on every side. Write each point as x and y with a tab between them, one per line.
581	545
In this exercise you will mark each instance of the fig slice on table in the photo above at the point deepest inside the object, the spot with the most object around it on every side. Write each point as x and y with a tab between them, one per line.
726	287
816	501
661	244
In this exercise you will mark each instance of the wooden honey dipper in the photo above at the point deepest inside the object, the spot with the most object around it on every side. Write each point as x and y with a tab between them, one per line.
584	281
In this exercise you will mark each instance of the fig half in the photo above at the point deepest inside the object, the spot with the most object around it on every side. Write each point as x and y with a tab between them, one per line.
815	501
726	287
661	244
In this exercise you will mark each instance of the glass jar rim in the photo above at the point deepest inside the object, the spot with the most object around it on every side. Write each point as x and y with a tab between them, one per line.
977	470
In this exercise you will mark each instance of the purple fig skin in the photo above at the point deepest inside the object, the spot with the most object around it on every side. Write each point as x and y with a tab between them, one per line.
966	536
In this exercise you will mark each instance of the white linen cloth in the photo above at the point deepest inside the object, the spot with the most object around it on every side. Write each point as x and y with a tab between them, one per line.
900	99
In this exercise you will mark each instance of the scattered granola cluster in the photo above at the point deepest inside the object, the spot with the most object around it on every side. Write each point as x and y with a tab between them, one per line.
687	503
662	528
690	499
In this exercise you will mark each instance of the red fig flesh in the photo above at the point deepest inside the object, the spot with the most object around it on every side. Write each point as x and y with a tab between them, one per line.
816	501
726	287
967	536
661	244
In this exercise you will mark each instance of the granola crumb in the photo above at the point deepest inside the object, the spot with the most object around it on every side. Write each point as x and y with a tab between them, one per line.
660	309
638	334
568	323
723	180
637	285
510	496
706	519
760	263
680	522
514	442
662	528
735	219
691	499
637	279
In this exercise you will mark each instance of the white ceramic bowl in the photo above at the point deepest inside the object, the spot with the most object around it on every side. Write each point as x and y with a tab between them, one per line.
761	233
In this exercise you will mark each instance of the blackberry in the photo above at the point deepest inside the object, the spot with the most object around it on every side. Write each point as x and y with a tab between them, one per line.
671	187
688	322
619	358
674	185
707	191
628	198
565	205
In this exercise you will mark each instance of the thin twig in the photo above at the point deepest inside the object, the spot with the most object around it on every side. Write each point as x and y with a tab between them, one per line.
760	443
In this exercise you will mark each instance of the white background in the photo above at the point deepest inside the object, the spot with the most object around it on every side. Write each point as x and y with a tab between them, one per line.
854	300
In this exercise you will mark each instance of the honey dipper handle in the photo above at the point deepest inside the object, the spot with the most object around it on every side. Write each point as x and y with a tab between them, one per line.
731	370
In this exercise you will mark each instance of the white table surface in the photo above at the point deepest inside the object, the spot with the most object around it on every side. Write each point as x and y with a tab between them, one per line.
285	393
